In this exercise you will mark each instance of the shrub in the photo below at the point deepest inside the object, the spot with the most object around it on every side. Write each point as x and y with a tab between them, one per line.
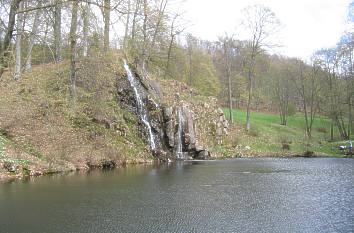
285	146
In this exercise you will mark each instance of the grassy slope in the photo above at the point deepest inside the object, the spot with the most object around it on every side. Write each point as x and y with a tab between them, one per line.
267	134
39	130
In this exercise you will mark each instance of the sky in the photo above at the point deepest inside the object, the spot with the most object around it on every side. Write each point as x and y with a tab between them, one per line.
307	25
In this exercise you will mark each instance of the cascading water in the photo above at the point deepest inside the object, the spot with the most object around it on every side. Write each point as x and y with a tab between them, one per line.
142	112
179	149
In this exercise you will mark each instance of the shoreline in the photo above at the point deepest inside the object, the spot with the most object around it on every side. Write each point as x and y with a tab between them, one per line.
26	174
11	176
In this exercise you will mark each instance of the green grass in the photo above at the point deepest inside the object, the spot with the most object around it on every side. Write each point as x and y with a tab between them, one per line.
266	134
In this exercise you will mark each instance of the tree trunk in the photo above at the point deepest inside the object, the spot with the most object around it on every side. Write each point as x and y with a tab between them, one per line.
57	31
190	52
85	27
349	117
4	53
332	136
127	26
230	99
136	10
248	113
169	56
19	32
161	13
107	15
228	75
73	27
143	53
32	37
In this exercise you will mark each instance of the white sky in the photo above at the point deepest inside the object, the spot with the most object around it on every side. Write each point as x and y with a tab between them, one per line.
308	25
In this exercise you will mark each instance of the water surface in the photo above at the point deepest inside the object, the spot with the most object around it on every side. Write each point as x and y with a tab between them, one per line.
239	195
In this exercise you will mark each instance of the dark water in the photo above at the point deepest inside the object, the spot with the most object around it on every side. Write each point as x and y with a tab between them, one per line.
241	195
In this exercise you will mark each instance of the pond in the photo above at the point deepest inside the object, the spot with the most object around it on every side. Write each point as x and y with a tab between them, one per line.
237	195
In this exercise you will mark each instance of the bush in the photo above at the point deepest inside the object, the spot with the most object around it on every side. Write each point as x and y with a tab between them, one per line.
285	146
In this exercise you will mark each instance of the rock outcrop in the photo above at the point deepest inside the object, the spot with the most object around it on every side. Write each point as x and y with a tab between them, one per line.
182	129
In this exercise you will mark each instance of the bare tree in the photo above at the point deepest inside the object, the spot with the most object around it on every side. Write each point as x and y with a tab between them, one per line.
135	15
157	27
106	17
20	27
32	37
73	38
127	26
4	53
227	44
260	23
173	33
190	44
85	27
57	30
307	85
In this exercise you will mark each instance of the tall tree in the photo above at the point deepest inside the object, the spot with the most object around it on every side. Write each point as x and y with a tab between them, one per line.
190	44
126	33
173	33
19	32
260	23
32	36
307	85
280	71
85	27
106	19
57	30
227	49
73	38
4	53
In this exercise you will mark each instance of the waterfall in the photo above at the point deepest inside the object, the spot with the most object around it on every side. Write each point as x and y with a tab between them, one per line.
142	112
179	149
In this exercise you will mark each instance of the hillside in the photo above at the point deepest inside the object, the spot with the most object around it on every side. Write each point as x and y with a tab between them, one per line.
43	131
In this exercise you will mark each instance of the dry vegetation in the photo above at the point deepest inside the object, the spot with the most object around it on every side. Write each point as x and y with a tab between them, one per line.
42	131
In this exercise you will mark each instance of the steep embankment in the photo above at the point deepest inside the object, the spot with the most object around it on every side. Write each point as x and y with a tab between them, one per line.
177	122
42	130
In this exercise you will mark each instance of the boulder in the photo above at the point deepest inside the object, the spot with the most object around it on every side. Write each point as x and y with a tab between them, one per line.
202	155
10	166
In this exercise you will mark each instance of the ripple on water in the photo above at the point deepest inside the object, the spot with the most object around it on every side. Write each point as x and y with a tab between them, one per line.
241	195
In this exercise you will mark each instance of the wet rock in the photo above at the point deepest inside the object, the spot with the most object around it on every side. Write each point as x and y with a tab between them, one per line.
202	155
204	124
190	139
35	173
10	166
108	164
167	114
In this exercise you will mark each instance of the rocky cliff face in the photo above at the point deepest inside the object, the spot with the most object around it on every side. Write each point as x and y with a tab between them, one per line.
184	125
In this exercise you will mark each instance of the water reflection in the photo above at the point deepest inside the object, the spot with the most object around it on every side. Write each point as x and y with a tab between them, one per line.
241	195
